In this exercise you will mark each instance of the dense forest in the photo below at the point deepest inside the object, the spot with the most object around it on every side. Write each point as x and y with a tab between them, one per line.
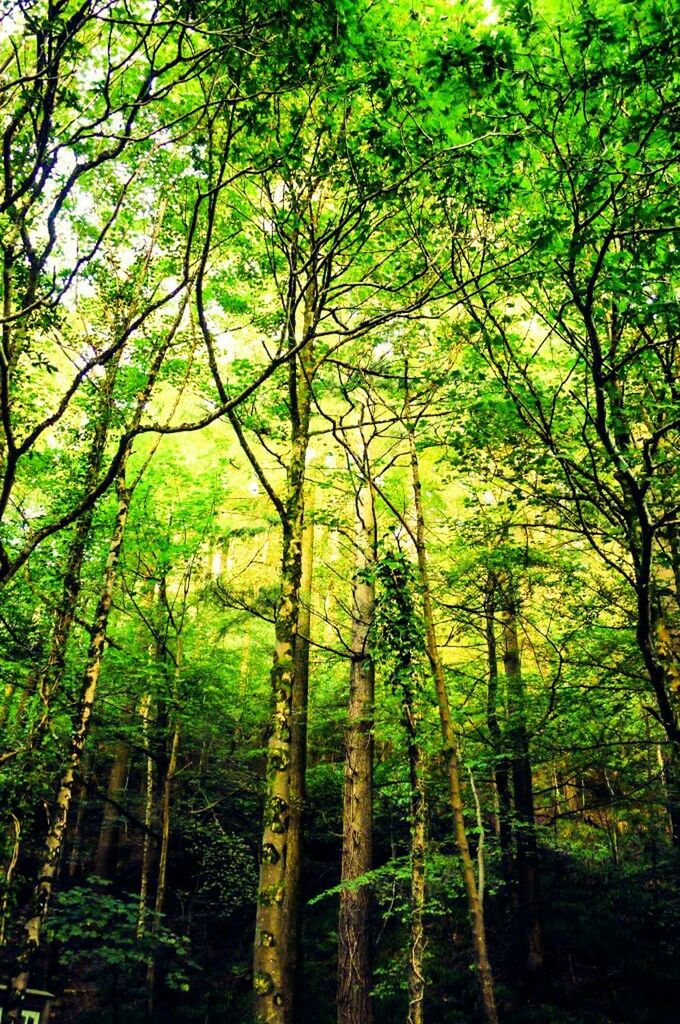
340	511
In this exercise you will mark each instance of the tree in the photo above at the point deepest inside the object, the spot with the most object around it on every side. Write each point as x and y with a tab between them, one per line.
590	256
354	947
398	639
338	496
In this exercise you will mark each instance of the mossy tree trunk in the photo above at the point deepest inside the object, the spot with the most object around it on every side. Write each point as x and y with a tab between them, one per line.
276	930
298	761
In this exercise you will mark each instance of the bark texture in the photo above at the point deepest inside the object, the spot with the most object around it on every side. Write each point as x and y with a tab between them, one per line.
105	855
161	880
275	929
144	714
354	953
416	976
298	765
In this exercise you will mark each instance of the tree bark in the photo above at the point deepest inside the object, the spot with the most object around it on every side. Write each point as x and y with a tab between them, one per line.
271	984
298	764
75	838
416	975
501	771
104	866
275	930
54	669
161	880
354	947
474	901
144	712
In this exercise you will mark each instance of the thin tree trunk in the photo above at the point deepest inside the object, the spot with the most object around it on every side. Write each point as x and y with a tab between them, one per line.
243	679
525	838
9	874
354	946
76	833
474	901
406	682
501	769
144	711
37	910
158	656
162	653
298	764
665	764
416	975
162	860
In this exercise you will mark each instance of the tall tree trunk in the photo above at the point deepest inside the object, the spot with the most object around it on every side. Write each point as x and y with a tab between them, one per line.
501	771
525	837
416	975
168	722
271	983
298	764
75	837
161	881
158	657
354	944
275	929
667	650
104	866
474	901
36	912
144	712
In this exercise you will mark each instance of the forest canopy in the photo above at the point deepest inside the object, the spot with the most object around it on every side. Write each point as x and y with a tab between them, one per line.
340	511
